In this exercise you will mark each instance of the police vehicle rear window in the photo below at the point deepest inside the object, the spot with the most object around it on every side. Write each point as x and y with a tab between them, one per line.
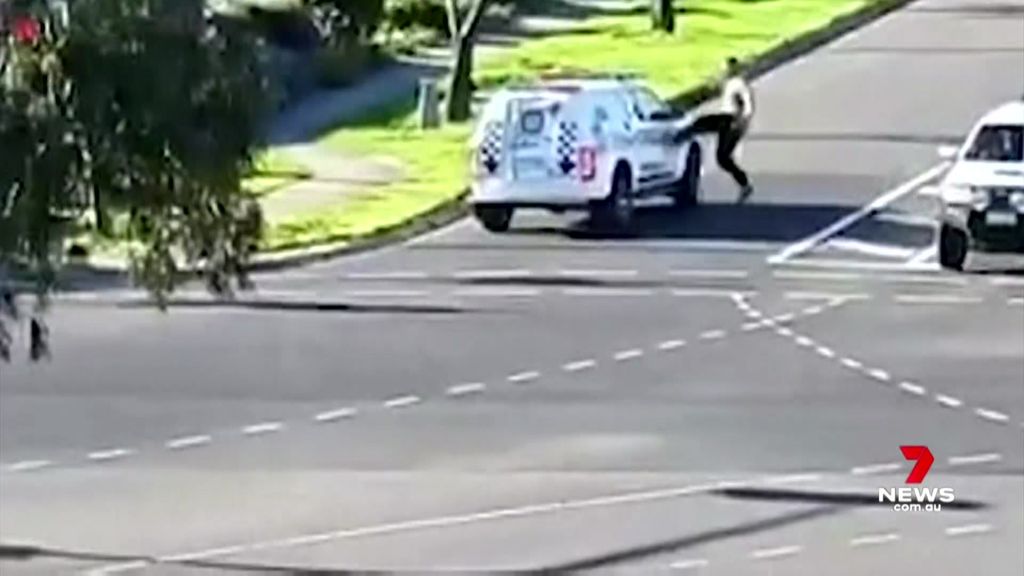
998	143
532	122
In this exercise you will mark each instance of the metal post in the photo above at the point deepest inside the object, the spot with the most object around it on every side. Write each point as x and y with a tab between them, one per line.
429	105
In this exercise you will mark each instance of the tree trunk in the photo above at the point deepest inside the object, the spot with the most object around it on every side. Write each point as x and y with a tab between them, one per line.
460	88
663	15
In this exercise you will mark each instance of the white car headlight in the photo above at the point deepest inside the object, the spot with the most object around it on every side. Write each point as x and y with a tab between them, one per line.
1017	200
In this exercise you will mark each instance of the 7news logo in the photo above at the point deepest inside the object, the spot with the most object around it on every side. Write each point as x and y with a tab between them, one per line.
916	499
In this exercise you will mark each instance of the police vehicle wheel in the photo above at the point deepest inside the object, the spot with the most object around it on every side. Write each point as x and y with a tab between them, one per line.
494	218
953	248
616	211
687	192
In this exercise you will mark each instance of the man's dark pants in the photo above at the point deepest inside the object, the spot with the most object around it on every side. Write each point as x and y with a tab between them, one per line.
729	136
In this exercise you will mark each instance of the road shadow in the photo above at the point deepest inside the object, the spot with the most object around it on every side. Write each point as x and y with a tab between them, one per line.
676	544
313	306
857	499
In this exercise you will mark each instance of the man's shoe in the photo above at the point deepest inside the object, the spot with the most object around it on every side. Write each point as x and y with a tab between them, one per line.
745	193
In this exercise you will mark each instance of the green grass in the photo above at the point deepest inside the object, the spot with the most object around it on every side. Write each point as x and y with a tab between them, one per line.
706	34
273	171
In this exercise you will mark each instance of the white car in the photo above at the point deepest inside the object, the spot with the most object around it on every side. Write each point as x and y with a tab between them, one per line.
983	192
579	143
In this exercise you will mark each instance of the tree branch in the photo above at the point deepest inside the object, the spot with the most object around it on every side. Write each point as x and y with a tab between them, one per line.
476	13
452	7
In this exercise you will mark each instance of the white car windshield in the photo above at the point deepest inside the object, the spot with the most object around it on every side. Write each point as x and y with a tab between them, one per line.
998	143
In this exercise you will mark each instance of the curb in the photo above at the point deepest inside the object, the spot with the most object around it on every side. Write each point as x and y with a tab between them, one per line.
455	208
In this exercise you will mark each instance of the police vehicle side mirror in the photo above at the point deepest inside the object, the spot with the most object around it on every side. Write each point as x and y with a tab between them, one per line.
948	152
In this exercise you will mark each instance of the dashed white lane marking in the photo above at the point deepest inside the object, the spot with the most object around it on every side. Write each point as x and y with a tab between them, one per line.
392	275
108	455
712	335
875	469
493	274
784	332
1015	301
335	415
814	310
878	203
798	295
804	341
968	529
817	276
1006	281
579	365
772	553
607	292
188	442
724	274
402	401
596	273
754	314
29	465
262	428
919	279
992	415
937	299
689	564
948	401
497	292
825	352
671	345
880	375
874	539
751	326
466	389
911	388
787	317
628	354
806	477
524	377
973	459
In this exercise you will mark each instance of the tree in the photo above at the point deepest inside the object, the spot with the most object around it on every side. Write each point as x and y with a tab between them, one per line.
663	16
462	28
152	112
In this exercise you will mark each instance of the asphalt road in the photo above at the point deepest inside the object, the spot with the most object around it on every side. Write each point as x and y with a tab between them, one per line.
722	393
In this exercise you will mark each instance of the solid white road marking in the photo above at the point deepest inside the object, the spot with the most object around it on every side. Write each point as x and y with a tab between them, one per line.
628	354
878	203
492	274
262	428
690	564
925	255
393	275
524	377
992	415
496	292
188	442
712	335
989	458
875	469
384	293
724	274
599	273
779	552
911	388
334	415
29	465
936	299
871	248
107	455
880	375
671	345
794	478
968	529
948	401
402	401
874	539
711	293
466	389
607	292
579	365
825	351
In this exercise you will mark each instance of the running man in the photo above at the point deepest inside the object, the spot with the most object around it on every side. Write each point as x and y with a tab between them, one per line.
730	124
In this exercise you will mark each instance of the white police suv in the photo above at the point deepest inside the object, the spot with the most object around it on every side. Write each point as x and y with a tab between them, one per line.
592	143
983	193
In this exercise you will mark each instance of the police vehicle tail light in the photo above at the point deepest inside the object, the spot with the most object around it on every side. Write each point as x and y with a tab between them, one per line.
587	163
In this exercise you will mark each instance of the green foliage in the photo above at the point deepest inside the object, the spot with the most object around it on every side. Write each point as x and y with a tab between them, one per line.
131	112
345	21
408	15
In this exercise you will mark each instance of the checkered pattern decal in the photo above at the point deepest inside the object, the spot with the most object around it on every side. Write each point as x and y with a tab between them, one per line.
568	137
490	148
